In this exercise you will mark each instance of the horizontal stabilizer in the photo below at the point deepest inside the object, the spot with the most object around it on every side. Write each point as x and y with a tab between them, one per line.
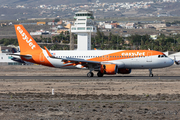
20	55
24	56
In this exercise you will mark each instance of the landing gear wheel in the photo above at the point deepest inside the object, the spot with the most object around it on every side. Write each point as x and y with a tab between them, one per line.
99	74
150	75
90	74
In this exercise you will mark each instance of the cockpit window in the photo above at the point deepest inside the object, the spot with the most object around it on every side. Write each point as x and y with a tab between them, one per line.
161	56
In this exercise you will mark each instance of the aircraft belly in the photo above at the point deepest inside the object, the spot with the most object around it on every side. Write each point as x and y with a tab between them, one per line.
137	63
141	63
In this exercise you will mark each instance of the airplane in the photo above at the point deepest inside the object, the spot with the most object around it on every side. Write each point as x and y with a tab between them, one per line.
108	62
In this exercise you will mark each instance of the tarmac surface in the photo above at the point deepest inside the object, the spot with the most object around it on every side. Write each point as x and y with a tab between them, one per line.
92	78
26	93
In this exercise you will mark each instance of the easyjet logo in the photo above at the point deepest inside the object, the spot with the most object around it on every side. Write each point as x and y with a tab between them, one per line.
133	54
24	37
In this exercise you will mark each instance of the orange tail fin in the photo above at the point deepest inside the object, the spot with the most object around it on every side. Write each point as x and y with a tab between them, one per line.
26	42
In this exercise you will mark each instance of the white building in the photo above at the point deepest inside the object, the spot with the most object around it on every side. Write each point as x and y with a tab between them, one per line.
109	26
169	0
130	25
7	60
174	55
83	26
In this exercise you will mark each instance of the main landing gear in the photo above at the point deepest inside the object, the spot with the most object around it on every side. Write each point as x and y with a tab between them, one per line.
90	74
150	72
99	74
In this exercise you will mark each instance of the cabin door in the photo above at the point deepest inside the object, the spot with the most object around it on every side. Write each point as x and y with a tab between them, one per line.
149	57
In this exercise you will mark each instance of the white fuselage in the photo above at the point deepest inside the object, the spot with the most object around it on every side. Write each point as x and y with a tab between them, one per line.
137	62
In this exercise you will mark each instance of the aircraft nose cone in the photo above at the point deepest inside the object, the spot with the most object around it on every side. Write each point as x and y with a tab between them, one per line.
171	62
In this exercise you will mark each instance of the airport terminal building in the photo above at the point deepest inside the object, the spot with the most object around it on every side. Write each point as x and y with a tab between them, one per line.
7	59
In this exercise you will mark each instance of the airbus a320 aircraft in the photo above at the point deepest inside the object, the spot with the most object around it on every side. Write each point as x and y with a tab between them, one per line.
103	61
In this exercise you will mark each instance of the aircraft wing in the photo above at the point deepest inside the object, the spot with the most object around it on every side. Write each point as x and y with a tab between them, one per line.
75	61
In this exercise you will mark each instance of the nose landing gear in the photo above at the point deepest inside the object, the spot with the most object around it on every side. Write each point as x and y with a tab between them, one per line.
150	72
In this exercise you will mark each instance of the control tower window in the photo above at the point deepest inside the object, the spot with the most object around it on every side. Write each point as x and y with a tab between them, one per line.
81	28
81	19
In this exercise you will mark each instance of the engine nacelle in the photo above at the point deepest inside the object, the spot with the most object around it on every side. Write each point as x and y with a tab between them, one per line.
109	69
124	71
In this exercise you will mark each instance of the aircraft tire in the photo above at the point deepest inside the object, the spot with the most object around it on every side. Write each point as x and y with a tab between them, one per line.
150	75
90	74
99	74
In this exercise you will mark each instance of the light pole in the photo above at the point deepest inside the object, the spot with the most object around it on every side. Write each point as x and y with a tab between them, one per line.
117	42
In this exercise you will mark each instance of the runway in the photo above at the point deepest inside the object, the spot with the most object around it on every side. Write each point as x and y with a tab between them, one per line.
93	101
177	78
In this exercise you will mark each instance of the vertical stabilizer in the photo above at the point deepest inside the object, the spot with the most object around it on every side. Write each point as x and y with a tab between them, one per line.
30	51
26	42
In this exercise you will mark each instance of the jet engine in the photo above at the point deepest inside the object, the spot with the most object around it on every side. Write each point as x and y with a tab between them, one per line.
124	71
109	69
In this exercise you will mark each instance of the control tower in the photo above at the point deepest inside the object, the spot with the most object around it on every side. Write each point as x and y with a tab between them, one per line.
83	27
